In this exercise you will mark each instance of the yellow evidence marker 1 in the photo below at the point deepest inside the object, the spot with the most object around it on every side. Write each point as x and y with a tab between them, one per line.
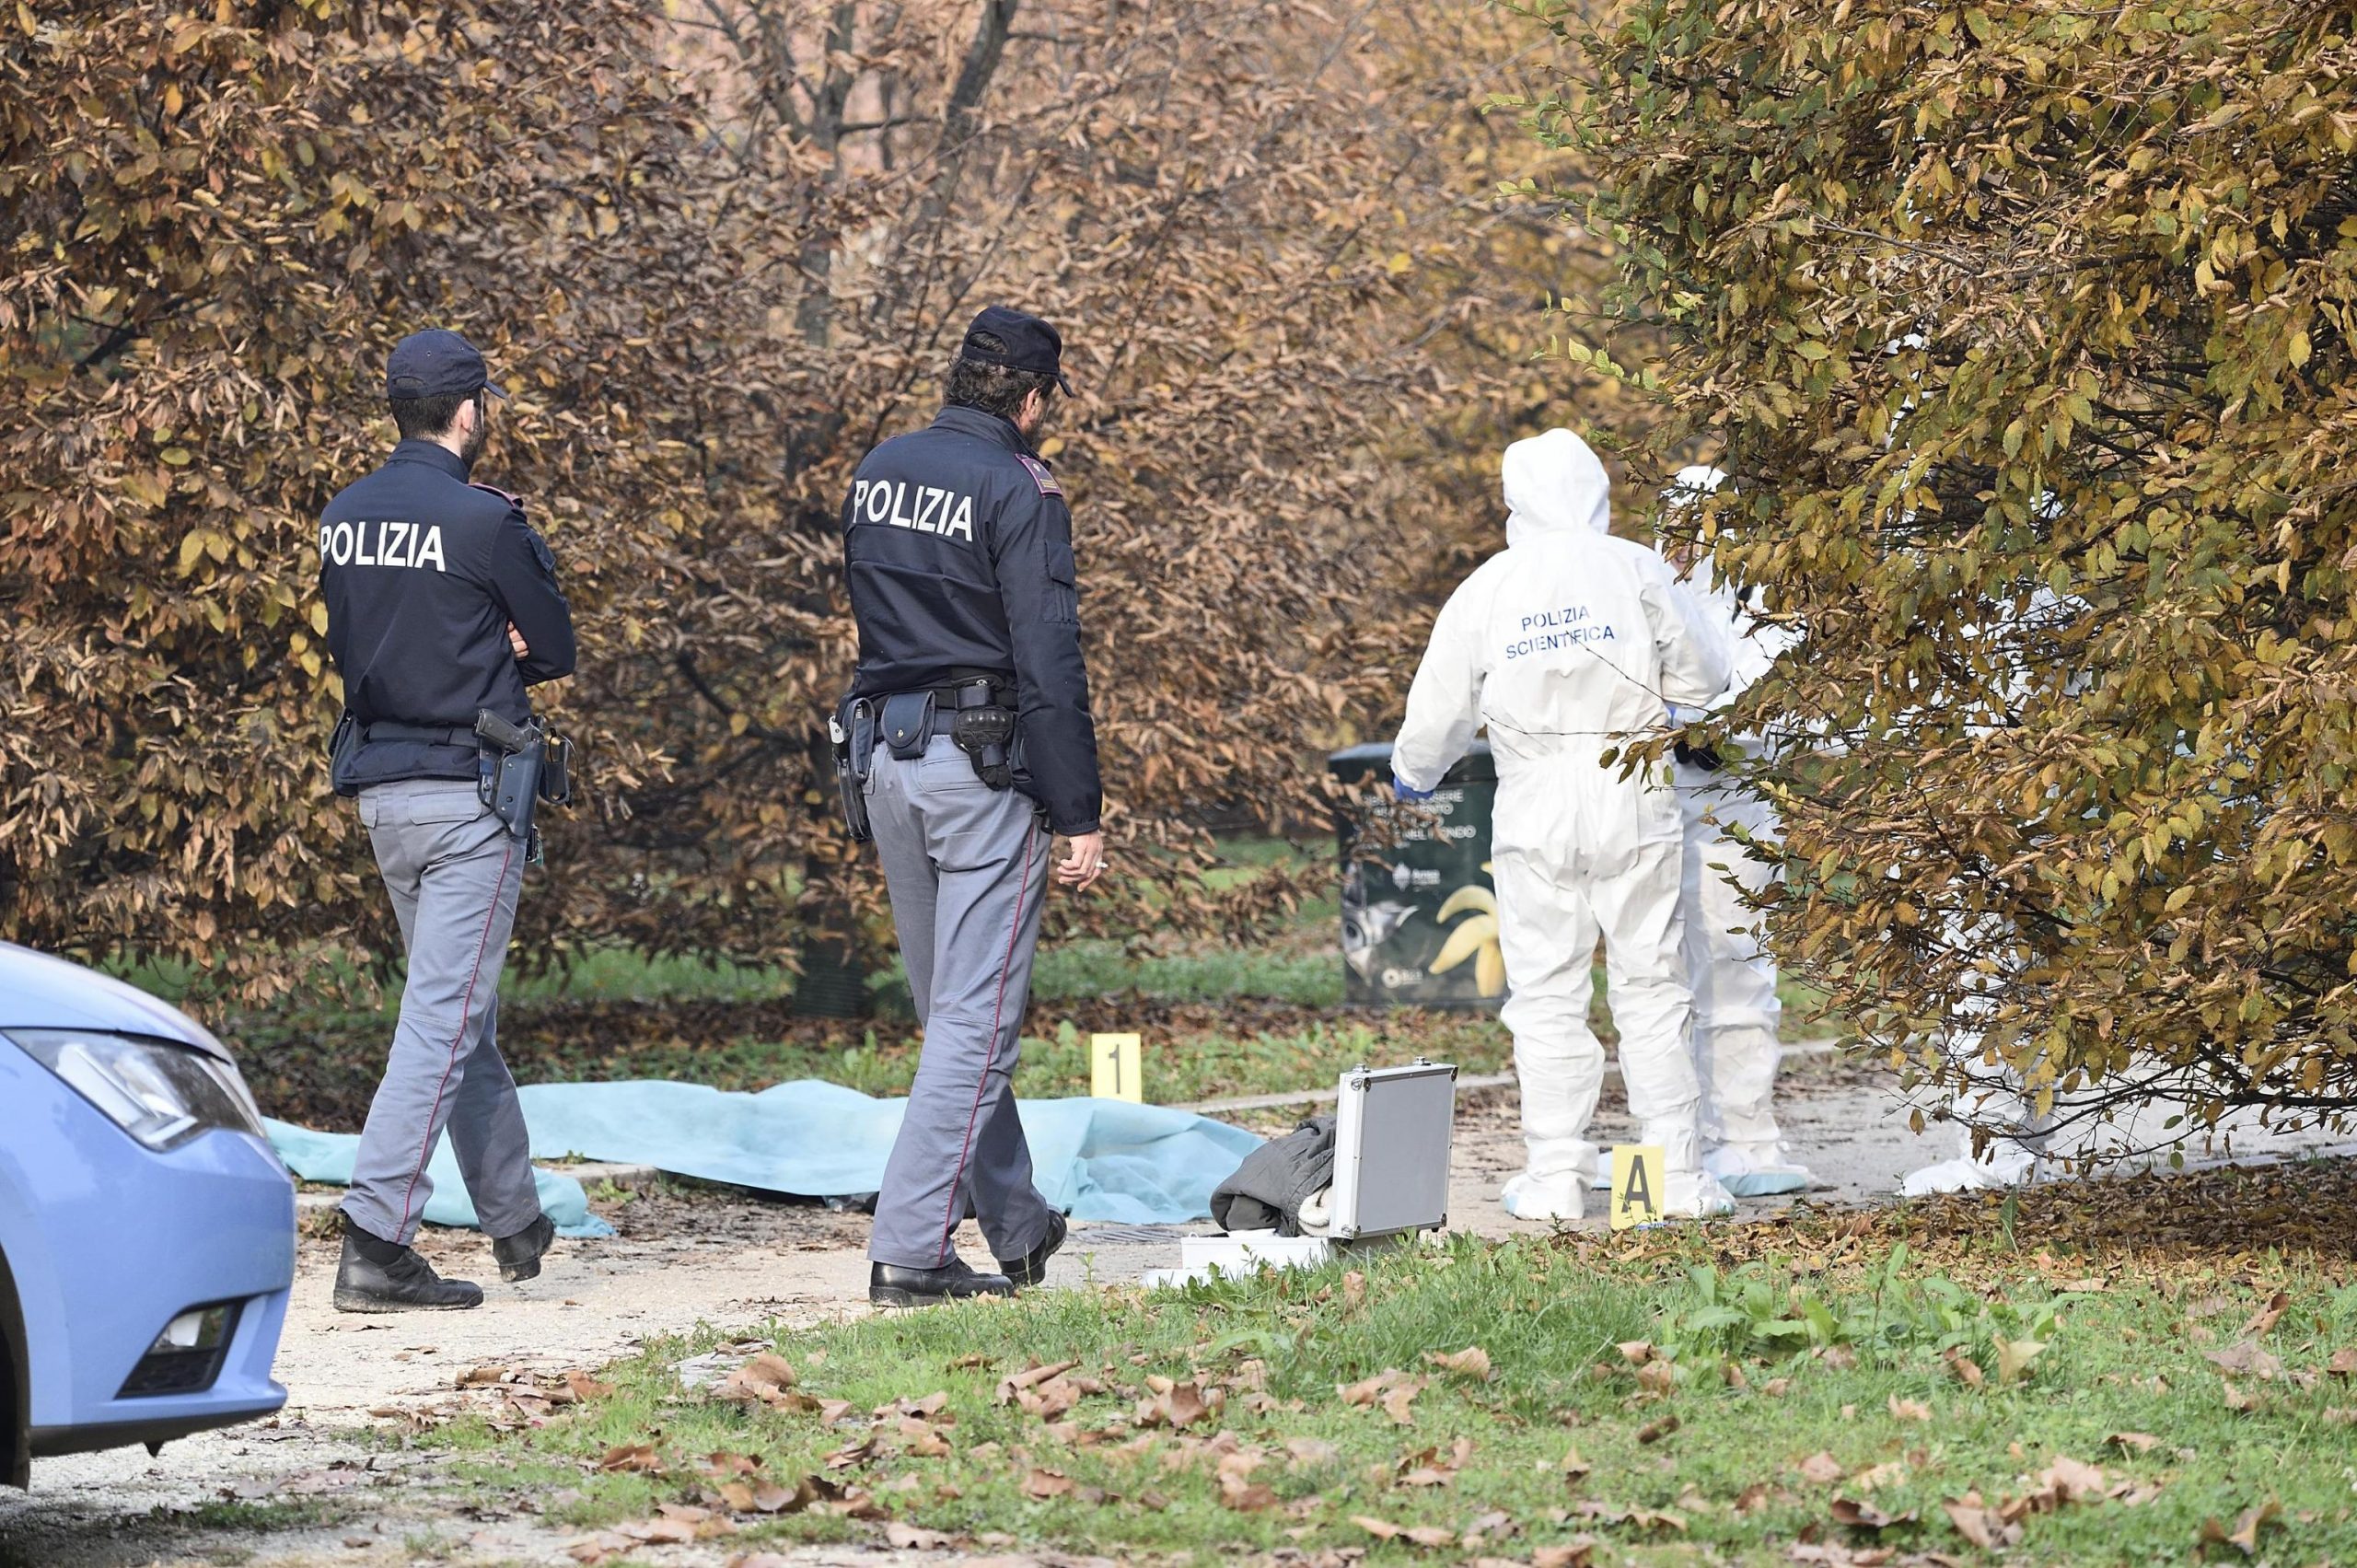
1114	1070
1636	1184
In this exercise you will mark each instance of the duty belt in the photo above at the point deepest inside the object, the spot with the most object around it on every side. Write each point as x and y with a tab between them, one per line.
427	735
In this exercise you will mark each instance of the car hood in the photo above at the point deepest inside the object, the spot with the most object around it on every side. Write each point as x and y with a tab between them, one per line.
38	991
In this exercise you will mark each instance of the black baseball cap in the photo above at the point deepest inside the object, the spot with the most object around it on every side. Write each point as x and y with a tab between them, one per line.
1030	343
438	363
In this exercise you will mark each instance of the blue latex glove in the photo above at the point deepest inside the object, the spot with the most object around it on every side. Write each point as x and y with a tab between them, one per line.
1404	791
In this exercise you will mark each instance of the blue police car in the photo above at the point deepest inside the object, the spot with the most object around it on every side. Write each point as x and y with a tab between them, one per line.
146	1229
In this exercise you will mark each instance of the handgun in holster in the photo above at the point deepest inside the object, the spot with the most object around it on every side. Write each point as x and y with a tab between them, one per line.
982	727
852	728
522	765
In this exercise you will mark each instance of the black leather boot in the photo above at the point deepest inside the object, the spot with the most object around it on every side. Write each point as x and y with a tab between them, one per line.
519	1255
888	1285
1032	1267
405	1284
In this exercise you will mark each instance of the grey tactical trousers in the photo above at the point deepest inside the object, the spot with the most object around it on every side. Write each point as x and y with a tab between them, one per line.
966	867
453	870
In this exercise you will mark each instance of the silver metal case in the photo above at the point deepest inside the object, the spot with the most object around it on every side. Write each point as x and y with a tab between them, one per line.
1392	1129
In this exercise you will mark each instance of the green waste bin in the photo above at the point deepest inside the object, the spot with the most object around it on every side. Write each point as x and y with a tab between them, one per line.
1420	912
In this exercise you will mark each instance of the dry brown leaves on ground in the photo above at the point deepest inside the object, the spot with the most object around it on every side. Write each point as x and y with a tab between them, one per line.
1391	1389
2157	1227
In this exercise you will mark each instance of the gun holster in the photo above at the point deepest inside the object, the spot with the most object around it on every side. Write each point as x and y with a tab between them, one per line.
983	729
852	730
514	759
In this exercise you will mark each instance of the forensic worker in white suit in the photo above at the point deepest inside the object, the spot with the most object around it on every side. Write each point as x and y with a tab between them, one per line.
1566	645
1737	1015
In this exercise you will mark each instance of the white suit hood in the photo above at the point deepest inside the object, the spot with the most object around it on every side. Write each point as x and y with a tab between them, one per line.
1555	484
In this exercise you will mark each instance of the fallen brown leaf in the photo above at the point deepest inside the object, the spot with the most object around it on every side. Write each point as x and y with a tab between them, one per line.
1046	1484
481	1377
1311	1450
1471	1361
1654	1431
2132	1442
1243	1496
2262	1321
1909	1410
2071	1480
1866	1516
1381	1529
2014	1357
1030	1377
636	1457
1574	1468
1981	1525
1178	1406
1822	1469
2245	1357
1396	1400
581	1386
2246	1533
1578	1553
909	1538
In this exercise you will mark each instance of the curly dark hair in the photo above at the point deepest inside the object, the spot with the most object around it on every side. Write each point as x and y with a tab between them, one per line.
995	388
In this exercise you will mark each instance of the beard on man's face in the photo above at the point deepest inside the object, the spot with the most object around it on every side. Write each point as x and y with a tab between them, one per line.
471	447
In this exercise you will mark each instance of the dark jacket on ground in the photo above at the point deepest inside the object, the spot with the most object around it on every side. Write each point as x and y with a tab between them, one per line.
957	545
1275	1180
421	573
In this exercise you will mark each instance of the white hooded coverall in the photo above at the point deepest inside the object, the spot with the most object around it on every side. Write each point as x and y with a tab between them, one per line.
1736	1012
1565	645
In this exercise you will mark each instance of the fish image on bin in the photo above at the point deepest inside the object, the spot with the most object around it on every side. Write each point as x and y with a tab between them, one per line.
1420	915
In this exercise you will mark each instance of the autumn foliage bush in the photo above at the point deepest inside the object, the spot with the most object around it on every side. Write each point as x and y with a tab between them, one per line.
716	248
2024	332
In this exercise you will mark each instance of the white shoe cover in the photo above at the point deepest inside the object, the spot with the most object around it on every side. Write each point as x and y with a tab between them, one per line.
1751	1172
1695	1195
2008	1165
1543	1198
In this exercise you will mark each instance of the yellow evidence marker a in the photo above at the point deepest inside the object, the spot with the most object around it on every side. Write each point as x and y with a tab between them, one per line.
1114	1071
1636	1184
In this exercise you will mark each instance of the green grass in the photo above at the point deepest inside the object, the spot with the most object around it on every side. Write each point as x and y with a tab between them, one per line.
1178	1071
1219	1020
1722	1434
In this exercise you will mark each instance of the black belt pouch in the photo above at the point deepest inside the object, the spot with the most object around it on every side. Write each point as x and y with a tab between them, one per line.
908	724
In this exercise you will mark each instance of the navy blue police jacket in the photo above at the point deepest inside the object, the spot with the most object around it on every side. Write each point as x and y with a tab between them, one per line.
957	545
421	573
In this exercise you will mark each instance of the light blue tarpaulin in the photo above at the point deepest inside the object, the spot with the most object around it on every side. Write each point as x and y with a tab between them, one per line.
326	1157
1101	1159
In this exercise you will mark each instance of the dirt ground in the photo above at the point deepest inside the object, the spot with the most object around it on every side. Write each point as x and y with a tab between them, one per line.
343	1477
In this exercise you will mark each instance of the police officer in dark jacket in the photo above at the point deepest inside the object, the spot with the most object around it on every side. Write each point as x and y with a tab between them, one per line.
442	604
970	729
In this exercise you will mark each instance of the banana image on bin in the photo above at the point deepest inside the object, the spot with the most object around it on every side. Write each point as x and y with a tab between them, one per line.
1475	938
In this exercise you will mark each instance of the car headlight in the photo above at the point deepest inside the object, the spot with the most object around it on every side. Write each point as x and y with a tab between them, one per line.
160	1093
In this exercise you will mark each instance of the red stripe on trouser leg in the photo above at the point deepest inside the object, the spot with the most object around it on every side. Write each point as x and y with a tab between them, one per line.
990	1057
466	1011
